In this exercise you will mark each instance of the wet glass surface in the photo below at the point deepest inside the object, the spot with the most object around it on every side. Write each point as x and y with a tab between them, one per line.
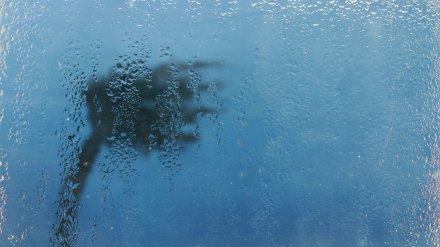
219	123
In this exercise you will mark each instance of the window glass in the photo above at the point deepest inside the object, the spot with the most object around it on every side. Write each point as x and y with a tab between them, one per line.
219	123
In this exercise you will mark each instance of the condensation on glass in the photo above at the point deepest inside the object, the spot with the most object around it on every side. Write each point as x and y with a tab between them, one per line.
219	123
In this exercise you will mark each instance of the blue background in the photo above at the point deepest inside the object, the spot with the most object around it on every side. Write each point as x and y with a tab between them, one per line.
327	134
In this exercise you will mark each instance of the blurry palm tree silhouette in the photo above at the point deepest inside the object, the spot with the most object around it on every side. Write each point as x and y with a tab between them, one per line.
138	107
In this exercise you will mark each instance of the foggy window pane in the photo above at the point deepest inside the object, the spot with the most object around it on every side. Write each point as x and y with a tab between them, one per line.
219	123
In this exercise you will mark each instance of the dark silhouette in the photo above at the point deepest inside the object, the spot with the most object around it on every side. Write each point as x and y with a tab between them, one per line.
138	107
144	110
